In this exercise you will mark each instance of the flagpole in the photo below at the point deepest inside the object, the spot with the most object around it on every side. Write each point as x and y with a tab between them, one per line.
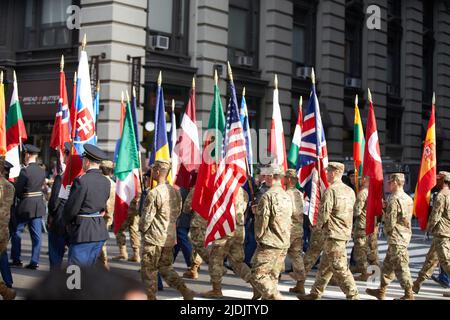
354	162
313	80
141	180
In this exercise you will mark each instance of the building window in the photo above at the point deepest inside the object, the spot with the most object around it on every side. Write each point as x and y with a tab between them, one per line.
428	53
45	24
394	49
243	33
394	126
353	39
303	42
167	22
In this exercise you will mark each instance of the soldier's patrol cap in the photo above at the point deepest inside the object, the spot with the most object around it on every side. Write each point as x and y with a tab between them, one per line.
291	173
94	153
263	169
400	177
336	166
444	175
162	164
107	164
31	149
7	165
275	169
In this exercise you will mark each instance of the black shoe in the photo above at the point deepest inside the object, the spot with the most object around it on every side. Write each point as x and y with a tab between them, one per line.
441	283
32	266
17	264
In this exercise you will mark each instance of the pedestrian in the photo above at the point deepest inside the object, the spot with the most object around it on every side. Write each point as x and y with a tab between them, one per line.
30	208
85	208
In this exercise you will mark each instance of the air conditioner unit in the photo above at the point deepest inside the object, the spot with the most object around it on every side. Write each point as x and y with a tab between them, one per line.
245	61
303	72
392	90
353	83
160	42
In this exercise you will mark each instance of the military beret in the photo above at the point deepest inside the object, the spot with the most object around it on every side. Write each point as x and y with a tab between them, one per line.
444	175
291	173
31	149
162	164
397	177
107	164
94	153
275	169
336	166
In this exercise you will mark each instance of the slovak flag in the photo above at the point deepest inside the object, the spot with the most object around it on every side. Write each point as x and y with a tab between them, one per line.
84	130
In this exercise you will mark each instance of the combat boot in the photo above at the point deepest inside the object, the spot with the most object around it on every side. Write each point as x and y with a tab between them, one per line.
187	293
216	292
7	293
136	256
311	296
417	284
377	293
446	294
299	288
123	254
363	277
192	273
408	295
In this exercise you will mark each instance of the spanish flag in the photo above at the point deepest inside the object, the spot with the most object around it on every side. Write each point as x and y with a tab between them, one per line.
161	149
427	173
358	144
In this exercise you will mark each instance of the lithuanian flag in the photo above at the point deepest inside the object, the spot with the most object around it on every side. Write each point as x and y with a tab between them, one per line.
427	173
358	144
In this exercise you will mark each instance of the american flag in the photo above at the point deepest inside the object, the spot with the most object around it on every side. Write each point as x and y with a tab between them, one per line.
313	157
230	176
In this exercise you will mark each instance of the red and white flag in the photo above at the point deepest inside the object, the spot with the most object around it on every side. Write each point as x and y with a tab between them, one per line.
373	168
277	146
186	153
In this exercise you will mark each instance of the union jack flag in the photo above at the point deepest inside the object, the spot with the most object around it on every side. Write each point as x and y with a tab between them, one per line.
313	157
231	175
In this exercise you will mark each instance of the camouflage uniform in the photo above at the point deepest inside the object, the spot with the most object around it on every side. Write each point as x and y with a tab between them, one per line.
131	224
361	246
295	250
108	217
231	247
336	219
315	248
272	232
197	232
6	201
439	226
161	209
372	247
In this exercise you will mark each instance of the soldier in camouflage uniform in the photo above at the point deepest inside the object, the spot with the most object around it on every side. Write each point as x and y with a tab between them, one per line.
231	247
273	221
336	219
398	230
295	252
439	227
361	246
107	168
131	224
372	247
6	201
197	232
160	212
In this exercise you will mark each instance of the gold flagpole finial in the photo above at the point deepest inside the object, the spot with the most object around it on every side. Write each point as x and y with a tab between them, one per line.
173	105
62	63
134	91
243	92
216	78
98	85
230	72
313	76
1	77
369	95
356	100
434	98
193	82
75	78
160	79
14	75
84	42
128	96
276	82
300	103
122	98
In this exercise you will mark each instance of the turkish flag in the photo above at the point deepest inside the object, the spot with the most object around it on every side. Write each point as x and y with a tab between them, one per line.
373	168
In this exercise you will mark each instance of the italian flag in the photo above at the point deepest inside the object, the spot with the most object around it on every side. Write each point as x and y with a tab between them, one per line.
126	171
16	134
297	139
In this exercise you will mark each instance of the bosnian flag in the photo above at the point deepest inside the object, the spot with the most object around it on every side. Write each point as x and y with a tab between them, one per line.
84	131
